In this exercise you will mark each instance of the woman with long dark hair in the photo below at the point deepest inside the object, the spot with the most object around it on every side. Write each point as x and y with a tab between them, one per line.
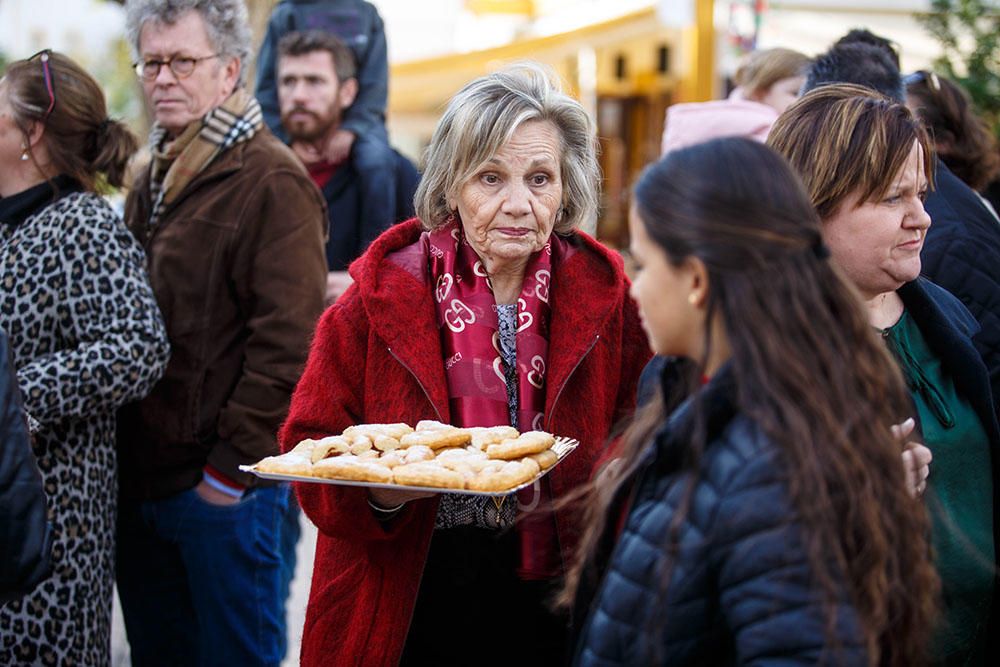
762	510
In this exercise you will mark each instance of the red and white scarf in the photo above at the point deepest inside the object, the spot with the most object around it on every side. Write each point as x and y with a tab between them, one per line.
477	390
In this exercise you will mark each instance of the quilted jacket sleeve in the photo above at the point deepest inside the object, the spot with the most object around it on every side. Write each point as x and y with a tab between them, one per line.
118	340
25	540
773	611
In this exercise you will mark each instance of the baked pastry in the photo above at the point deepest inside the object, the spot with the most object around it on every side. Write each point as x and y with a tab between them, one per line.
525	444
487	460
460	454
509	475
292	463
437	438
418	453
482	437
428	474
385	443
304	448
392	430
330	446
545	459
347	466
360	444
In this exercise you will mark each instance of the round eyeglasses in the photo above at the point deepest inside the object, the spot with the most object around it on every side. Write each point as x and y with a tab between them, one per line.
181	66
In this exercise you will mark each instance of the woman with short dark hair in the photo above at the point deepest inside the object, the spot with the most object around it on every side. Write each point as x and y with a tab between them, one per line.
866	163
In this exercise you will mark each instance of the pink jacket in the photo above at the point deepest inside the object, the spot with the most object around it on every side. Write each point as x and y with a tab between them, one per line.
695	122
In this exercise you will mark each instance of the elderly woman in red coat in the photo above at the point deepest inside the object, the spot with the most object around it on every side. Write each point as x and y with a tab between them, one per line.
489	309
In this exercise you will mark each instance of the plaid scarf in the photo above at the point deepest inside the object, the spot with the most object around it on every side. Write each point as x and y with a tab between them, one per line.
175	165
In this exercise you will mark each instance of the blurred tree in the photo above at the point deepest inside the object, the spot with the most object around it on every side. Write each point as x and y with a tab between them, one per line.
969	34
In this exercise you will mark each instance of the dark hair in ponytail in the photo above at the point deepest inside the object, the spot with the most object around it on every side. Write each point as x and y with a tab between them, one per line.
82	142
808	370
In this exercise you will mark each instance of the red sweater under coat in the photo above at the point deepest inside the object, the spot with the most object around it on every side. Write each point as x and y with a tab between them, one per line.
376	357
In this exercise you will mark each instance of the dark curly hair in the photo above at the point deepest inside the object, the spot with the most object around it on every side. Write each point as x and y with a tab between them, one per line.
963	141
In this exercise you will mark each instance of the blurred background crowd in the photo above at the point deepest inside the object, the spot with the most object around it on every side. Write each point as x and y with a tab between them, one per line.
626	61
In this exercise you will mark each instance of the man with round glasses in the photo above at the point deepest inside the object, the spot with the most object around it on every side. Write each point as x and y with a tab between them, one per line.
233	230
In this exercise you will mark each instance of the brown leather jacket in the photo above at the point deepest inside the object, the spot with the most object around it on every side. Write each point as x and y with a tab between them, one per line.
238	268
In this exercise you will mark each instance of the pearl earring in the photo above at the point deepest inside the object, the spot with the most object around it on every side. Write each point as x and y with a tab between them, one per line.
24	154
692	298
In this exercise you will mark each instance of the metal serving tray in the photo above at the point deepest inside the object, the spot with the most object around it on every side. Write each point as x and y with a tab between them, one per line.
562	447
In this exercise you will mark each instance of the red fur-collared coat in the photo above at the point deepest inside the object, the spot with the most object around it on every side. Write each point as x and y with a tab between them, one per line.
376	357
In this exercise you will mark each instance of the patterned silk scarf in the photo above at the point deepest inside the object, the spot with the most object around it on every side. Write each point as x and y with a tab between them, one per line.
474	367
236	120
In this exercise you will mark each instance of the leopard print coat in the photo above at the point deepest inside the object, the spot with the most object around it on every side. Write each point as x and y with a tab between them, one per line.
86	336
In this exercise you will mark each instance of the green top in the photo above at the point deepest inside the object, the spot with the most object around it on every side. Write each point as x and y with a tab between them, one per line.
959	496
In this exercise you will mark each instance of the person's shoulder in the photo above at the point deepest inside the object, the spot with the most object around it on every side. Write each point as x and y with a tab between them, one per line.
923	296
268	164
738	453
403	164
957	210
266	152
81	209
593	250
401	244
599	263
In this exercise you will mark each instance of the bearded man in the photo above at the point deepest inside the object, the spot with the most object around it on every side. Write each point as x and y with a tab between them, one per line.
316	84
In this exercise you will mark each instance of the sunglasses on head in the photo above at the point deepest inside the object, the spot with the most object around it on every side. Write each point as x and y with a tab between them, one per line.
921	76
43	55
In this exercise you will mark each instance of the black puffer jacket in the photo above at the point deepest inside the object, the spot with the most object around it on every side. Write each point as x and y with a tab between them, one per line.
25	540
962	255
740	586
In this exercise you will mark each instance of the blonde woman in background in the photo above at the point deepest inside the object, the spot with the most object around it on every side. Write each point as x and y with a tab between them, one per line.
767	82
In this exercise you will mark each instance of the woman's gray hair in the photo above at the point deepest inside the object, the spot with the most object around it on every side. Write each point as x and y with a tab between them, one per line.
481	118
226	21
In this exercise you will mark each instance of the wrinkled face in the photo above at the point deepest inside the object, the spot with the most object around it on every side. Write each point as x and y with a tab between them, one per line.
310	95
510	204
783	93
877	243
176	103
672	323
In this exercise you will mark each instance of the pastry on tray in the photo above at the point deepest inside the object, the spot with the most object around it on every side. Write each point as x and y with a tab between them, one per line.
431	455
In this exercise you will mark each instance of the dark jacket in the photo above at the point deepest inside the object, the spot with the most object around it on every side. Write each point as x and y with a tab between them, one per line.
353	224
236	263
740	586
355	22
949	330
25	539
377	357
962	255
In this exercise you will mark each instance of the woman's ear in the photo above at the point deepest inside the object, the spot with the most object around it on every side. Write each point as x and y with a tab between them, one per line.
698	282
35	133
